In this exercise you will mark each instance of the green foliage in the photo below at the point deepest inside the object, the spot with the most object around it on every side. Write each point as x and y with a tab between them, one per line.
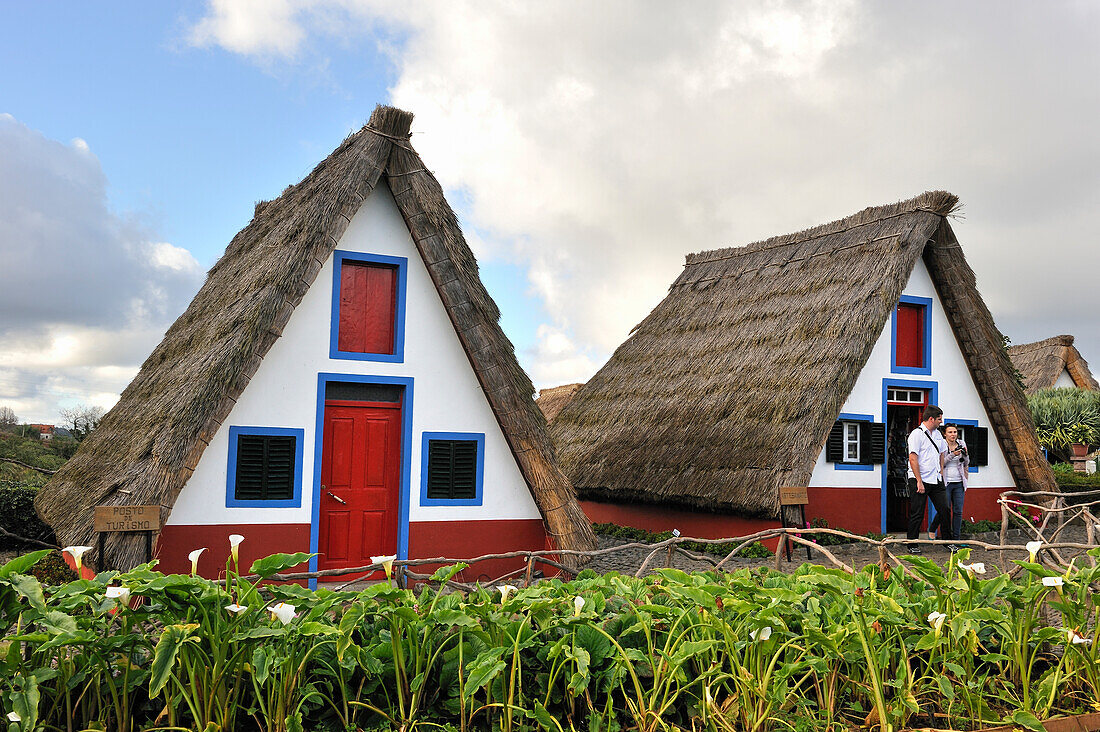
980	527
818	649
756	550
17	515
52	570
1065	415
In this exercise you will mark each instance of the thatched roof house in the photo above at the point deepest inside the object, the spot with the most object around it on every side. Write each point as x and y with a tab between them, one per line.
149	445
730	387
552	399
1052	362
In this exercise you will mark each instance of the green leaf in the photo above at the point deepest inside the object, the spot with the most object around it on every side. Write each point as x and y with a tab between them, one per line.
446	574
164	656
263	632
59	622
294	722
483	669
1027	719
278	562
25	703
20	565
452	618
545	719
261	664
30	588
595	642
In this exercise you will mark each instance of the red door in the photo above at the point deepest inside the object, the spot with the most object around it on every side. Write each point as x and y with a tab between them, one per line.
360	477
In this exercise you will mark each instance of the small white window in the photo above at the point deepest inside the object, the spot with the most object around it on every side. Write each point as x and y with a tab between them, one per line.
851	442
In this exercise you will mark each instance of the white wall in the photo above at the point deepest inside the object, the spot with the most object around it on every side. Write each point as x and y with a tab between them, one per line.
1064	380
283	392
958	397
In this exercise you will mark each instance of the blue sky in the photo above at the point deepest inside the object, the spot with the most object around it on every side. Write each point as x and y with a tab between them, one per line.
586	148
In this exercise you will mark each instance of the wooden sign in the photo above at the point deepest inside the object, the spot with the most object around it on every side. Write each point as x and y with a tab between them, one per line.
127	518
793	496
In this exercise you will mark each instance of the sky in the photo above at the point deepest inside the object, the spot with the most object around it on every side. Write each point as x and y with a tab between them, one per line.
586	147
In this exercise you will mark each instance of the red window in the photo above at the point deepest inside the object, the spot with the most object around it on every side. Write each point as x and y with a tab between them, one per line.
910	335
368	297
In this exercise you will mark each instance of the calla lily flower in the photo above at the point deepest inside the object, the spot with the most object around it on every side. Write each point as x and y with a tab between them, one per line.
122	594
283	611
1052	581
13	717
578	605
972	569
762	634
1033	548
234	542
194	557
235	608
386	562
76	552
1077	640
506	590
936	619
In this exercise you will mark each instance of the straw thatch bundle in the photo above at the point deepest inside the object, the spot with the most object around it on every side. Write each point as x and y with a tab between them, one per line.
148	445
1042	362
727	390
552	399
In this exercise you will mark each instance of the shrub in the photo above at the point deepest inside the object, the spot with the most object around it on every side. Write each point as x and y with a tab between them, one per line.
17	516
980	527
1063	416
52	570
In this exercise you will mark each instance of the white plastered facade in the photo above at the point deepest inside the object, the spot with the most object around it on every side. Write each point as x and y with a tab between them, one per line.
1065	380
957	396
283	392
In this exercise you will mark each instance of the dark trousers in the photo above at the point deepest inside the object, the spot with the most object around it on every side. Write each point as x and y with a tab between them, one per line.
937	493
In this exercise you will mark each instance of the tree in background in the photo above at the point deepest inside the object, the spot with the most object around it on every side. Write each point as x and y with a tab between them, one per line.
8	420
82	419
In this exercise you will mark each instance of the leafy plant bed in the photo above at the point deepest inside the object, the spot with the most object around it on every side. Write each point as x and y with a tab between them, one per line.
817	649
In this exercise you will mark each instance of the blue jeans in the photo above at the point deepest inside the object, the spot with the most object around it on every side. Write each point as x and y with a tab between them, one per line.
956	494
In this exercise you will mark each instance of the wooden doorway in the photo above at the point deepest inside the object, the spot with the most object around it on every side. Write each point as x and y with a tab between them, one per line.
359	508
903	410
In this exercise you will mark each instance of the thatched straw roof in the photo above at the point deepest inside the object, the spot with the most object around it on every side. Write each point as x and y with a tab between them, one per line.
727	390
552	399
148	445
1042	362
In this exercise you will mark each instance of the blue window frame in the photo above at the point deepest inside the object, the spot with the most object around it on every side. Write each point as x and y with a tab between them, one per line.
847	417
479	439
231	501
964	423
402	265
926	369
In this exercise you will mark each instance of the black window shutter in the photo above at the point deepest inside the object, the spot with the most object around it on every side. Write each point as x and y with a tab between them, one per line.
834	446
872	443
977	445
452	469
265	468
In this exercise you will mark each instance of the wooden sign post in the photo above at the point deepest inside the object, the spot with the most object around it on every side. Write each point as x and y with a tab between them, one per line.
126	519
794	496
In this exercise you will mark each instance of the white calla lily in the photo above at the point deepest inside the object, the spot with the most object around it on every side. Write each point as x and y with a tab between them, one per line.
14	717
283	611
506	590
194	557
386	562
936	620
578	605
972	569
122	594
1052	581
77	552
234	542
1033	548
762	634
236	609
1075	639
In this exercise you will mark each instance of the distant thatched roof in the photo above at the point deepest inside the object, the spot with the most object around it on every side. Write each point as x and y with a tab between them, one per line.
148	445
551	400
727	390
1042	362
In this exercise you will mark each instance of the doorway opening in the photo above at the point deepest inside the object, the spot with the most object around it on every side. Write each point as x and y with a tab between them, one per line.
903	410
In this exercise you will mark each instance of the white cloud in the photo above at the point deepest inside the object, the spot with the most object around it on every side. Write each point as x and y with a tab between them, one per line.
260	27
598	143
85	293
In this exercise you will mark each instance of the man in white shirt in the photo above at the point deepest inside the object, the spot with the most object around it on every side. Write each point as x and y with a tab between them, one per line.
926	456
